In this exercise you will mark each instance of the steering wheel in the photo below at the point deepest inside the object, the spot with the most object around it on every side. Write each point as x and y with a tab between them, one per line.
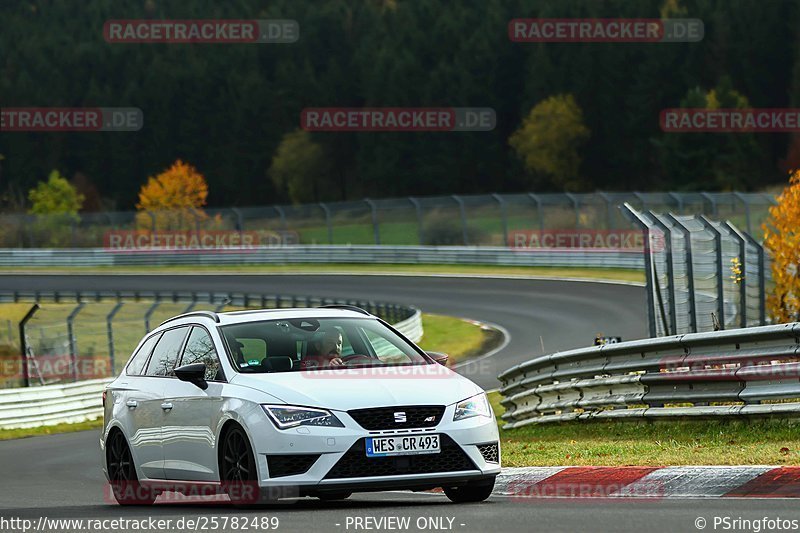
356	358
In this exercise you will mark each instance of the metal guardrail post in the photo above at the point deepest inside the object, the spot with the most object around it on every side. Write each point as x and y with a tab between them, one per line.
609	215
376	230
630	213
539	212
504	217
736	234
678	200
328	222
420	227
687	239
73	346
110	333
239	219
463	214
720	268
712	201
23	343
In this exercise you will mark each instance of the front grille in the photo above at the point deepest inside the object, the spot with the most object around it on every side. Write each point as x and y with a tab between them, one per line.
490	452
416	416
355	463
289	465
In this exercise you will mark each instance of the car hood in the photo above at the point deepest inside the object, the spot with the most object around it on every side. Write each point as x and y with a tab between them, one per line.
364	387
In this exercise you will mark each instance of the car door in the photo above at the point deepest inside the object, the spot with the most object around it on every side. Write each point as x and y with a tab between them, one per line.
145	403
190	425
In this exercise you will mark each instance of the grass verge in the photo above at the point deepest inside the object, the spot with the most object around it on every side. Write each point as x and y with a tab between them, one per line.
6	434
658	443
456	337
610	274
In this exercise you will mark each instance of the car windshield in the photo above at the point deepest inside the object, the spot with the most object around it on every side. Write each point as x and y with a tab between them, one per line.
316	344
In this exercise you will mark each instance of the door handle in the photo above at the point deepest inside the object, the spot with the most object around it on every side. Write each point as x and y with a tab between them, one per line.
132	403
166	406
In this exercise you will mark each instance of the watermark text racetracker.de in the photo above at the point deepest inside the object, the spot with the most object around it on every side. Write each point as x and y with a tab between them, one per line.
194	240
704	120
41	119
611	30
187	523
201	31
398	119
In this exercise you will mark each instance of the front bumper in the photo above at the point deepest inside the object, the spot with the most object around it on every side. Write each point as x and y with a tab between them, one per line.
331	445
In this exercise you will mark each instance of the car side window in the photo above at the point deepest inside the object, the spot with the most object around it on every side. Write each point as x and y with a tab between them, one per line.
165	355
200	349
136	366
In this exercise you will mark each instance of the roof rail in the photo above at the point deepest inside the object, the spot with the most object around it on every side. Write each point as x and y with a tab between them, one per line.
345	306
208	314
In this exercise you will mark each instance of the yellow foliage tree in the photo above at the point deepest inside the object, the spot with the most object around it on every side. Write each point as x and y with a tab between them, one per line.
173	200
782	239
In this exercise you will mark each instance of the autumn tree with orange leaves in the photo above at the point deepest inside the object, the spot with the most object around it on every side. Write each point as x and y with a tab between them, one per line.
173	200
782	239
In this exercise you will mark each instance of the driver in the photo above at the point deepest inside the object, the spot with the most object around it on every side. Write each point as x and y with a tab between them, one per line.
326	350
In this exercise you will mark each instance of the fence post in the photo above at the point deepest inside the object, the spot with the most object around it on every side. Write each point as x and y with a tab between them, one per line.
110	333
149	314
420	228
687	238
670	272
679	200
73	346
720	267
634	217
736	234
609	215
539	213
504	217
762	282
375	226
576	206
23	343
328	223
712	201
282	215
463	214
742	198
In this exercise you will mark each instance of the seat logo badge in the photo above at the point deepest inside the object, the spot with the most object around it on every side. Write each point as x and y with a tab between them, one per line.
400	417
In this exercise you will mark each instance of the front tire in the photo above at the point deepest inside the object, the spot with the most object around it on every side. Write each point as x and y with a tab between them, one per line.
238	472
122	473
470	493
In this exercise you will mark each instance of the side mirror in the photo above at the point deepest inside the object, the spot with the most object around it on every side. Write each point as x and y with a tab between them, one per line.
194	373
439	357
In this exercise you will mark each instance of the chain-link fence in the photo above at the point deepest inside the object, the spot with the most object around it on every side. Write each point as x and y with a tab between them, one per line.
69	336
702	275
488	220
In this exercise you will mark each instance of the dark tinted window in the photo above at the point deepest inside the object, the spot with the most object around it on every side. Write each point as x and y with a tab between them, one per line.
136	366
200	349
165	356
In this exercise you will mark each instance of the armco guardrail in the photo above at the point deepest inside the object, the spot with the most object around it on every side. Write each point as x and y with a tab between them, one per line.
459	255
51	404
753	371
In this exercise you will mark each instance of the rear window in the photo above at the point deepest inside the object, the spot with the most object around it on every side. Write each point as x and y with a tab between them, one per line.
139	359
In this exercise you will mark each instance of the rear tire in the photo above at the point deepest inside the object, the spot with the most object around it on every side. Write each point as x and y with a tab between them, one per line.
470	493
122	473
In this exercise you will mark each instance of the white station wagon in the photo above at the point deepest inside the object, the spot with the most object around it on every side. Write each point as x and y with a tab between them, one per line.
270	404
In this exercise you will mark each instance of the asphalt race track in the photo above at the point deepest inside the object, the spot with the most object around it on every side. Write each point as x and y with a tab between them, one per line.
59	476
556	314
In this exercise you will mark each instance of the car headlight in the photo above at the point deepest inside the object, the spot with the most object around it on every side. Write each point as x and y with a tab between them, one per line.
289	416
477	405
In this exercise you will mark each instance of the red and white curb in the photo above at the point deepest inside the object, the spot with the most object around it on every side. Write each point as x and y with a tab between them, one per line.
650	482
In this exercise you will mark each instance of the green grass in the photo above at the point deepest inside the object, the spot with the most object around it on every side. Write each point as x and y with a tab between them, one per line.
6	434
456	337
609	274
660	443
